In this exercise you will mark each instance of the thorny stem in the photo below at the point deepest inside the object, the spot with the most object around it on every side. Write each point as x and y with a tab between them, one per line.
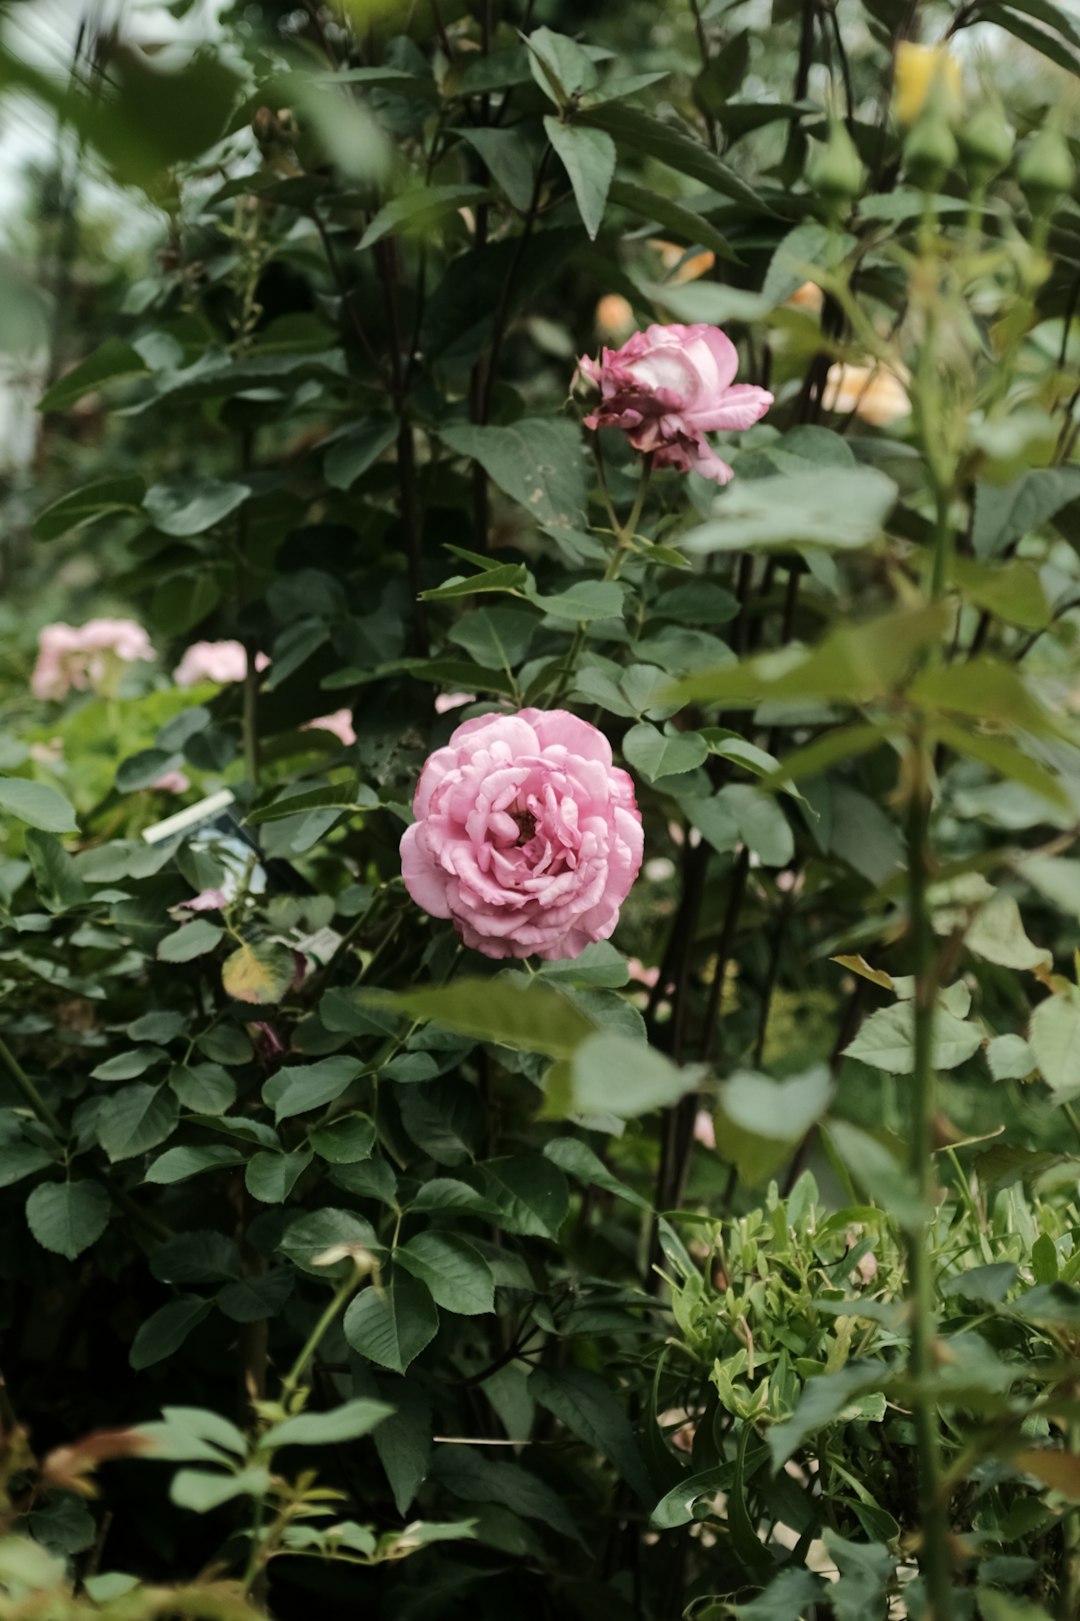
624	535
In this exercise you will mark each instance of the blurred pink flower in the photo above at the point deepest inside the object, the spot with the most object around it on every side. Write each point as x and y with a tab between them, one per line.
643	975
669	386
526	835
171	782
340	723
215	661
81	656
445	701
704	1129
207	900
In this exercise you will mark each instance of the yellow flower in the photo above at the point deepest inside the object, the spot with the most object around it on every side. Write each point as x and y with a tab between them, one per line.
875	396
807	297
920	68
697	265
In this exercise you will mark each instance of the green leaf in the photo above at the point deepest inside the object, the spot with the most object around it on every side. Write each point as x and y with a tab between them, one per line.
506	155
177	1164
345	1423
419	211
1013	591
271	1177
1010	1058
256	1298
20	1159
854	664
588	156
307	1239
839	509
600	964
1003	516
824	1399
37	805
191	506
659	754
986	689
67	1217
586	1403
88	504
296	1089
585	601
345	1140
199	1256
189	941
392	1325
165	1331
134	1119
673	216
762	825
877	1170
529	1193
612	1074
57	878
661	143
578	1160
484	1480
1055	1039
538	462
261	972
456	1274
201	1490
758	1120
203	1088
355	451
1002	758
113	360
559	65
504	577
529	1017
886	1040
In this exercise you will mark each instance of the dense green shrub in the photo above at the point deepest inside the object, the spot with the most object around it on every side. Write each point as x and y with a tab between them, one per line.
723	1267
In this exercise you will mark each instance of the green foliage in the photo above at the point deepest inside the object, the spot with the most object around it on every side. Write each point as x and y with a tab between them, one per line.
733	1252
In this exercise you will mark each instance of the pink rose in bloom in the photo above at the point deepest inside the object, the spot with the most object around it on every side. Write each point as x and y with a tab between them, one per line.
669	386
215	661
81	656
340	723
526	835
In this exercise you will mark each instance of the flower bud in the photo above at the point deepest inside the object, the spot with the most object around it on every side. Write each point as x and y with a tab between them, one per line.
930	151
835	172
926	74
1046	170
986	144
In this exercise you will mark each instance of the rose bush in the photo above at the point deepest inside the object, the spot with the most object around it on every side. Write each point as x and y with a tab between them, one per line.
717	1258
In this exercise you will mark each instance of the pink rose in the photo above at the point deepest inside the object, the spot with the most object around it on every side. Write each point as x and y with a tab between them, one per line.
215	661
172	782
81	656
526	835
340	723
446	701
704	1129
669	386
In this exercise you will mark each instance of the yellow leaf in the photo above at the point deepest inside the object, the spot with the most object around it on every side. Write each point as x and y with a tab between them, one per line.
860	966
260	973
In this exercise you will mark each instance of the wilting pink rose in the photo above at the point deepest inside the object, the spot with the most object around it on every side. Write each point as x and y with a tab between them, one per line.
215	661
526	835
82	656
340	723
669	386
207	900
